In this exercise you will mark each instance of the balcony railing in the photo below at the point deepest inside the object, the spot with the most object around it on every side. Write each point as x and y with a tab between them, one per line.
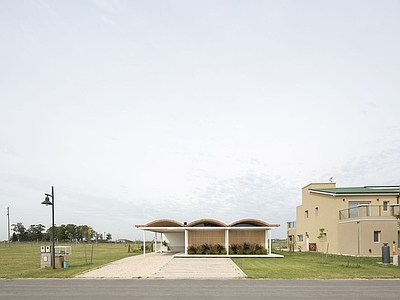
365	210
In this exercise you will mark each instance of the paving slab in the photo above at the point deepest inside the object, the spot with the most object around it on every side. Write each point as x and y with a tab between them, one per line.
138	266
199	268
164	265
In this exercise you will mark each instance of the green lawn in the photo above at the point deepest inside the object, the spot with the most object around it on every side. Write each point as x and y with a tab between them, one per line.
308	265
23	260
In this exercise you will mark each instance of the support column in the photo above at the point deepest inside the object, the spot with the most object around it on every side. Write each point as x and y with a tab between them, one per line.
269	241
144	242
154	241
266	239
186	241
227	241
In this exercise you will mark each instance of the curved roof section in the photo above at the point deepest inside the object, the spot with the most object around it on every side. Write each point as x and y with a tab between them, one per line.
164	223
207	223
252	222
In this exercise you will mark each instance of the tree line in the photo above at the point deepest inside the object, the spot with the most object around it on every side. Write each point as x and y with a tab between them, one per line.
68	232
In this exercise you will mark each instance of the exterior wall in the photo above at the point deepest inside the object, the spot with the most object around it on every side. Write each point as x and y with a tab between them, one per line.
247	236
322	213
342	234
388	234
176	241
348	242
199	237
357	236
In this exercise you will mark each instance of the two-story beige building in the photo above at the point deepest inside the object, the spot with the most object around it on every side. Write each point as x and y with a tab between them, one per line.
356	220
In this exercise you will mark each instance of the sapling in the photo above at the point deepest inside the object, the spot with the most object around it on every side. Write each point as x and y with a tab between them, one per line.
321	238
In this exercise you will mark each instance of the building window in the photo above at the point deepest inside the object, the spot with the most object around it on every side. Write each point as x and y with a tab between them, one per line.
306	214
377	236
316	211
385	205
300	238
355	208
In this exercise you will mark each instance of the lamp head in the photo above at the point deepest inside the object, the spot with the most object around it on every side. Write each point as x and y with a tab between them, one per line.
47	201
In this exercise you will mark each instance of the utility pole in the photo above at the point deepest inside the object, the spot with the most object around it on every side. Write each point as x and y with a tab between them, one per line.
8	231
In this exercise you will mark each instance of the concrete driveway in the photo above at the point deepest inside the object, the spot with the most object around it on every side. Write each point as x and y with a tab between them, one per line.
164	265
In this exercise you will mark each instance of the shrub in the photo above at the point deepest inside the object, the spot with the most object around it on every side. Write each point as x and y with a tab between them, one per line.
218	249
204	248
233	248
191	250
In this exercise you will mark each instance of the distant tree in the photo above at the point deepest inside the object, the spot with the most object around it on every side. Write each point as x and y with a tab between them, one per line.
86	232
35	232
61	233
108	237
14	237
20	230
71	231
49	233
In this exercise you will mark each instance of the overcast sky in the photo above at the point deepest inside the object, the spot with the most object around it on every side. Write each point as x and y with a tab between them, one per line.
140	110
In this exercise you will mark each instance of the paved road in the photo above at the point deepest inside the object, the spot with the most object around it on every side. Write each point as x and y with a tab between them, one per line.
149	289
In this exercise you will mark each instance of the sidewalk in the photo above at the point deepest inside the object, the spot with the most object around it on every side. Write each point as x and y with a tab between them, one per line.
164	265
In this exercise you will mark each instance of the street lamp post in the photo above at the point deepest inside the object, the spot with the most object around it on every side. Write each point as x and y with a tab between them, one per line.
48	202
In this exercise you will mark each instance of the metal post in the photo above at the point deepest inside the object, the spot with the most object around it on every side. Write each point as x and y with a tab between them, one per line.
52	217
48	202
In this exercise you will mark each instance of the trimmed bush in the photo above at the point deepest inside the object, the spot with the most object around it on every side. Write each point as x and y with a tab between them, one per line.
218	249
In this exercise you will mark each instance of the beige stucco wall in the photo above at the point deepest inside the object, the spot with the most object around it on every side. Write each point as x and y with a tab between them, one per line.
388	230
362	230
348	242
324	218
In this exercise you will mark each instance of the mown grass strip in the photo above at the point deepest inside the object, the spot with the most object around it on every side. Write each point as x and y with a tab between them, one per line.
22	260
307	265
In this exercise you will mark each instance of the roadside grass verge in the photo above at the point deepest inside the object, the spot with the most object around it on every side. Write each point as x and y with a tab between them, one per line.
307	265
22	260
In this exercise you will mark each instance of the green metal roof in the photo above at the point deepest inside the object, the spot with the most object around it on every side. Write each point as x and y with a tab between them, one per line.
355	191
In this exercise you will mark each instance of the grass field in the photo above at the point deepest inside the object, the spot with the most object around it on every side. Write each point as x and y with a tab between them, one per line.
23	260
308	265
